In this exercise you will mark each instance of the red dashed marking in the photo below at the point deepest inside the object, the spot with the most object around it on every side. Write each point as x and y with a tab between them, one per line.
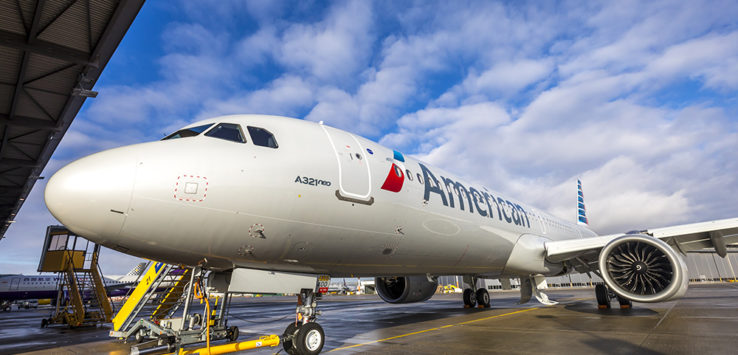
192	178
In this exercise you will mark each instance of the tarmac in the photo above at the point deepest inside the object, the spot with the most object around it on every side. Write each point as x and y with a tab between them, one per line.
705	321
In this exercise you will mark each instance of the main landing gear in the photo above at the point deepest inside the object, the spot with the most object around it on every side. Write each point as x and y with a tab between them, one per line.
604	295
472	298
304	336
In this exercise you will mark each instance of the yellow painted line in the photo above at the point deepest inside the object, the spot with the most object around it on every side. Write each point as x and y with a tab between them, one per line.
432	329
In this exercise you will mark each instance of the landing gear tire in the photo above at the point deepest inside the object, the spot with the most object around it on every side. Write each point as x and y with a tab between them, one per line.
625	303
232	333
470	299
310	339
603	296
289	337
483	298
44	323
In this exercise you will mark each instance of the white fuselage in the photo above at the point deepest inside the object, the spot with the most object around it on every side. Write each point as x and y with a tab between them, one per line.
314	204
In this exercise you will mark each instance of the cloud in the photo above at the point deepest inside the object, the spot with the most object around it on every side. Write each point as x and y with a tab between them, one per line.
712	58
284	96
508	78
334	49
638	99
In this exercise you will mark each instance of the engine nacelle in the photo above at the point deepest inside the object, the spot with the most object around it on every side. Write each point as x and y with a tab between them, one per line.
405	289
643	269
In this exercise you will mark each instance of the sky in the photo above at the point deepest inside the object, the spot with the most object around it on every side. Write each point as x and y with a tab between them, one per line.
637	99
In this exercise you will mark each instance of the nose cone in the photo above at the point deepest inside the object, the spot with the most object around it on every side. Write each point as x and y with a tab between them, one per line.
91	196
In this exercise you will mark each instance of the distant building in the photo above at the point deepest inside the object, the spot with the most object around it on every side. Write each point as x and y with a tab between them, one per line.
704	266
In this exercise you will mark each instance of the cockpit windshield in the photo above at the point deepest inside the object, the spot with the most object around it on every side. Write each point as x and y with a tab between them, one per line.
188	132
227	131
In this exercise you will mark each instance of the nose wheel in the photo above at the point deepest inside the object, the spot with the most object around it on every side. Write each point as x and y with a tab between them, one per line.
304	336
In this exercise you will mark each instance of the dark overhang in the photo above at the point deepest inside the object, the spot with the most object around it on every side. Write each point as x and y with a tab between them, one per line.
51	54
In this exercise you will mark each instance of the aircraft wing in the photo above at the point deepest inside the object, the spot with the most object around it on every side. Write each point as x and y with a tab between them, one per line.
713	234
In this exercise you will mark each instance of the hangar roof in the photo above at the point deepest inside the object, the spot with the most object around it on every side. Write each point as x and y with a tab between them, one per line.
51	54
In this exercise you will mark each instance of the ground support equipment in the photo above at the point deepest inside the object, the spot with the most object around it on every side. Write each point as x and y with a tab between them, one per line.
150	313
82	297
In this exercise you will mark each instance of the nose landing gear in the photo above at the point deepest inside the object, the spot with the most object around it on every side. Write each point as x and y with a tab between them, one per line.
304	336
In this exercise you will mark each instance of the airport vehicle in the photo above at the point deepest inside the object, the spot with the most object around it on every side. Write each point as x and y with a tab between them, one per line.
25	287
251	195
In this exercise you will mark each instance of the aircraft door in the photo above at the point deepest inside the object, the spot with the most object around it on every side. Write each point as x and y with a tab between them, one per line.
354	180
14	283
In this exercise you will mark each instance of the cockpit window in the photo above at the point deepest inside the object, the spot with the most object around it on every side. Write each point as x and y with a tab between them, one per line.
188	132
227	131
262	137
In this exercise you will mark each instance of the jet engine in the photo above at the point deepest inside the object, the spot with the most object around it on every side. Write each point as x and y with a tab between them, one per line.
643	269
405	289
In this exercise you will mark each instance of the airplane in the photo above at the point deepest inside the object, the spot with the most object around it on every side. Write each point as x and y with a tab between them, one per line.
129	278
15	287
277	197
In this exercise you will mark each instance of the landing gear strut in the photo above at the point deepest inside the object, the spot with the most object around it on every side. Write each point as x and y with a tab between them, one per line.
604	295
472	298
304	336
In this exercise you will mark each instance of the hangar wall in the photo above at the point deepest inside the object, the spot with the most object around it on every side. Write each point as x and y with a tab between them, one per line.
704	266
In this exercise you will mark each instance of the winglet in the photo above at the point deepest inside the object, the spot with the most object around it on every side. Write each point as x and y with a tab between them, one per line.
581	210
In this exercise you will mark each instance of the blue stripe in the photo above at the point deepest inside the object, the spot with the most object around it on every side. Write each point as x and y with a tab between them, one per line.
398	156
581	199
582	219
581	205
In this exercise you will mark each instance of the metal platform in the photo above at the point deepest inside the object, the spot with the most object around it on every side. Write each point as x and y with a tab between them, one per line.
704	322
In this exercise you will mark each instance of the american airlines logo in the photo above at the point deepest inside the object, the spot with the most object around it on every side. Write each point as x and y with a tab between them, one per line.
485	203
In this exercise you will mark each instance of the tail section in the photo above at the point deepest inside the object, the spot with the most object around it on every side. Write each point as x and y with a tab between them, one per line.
581	210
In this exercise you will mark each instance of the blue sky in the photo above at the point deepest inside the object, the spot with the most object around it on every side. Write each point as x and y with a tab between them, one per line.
639	99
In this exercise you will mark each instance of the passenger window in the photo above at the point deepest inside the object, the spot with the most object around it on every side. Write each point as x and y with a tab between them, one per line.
264	138
227	131
188	132
409	174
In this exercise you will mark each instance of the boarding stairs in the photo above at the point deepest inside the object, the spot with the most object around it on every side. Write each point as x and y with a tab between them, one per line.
82	297
160	309
157	296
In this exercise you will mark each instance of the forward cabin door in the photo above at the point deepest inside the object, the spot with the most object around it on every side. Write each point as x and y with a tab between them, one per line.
354	178
14	283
